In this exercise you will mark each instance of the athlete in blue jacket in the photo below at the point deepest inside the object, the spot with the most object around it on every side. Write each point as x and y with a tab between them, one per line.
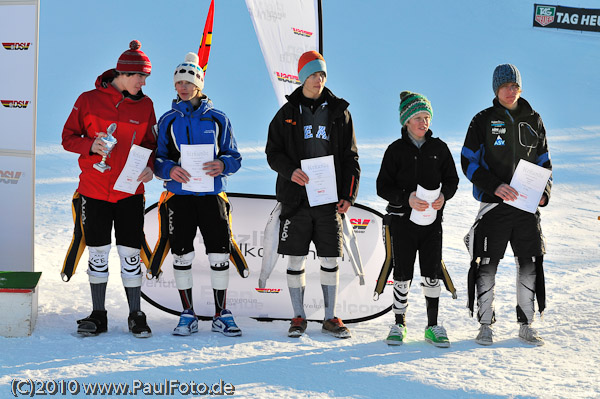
193	121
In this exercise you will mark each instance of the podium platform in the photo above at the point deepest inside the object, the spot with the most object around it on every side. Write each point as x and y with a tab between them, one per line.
18	303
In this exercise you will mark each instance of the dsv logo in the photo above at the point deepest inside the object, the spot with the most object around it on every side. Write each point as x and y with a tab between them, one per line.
14	103
284	233
9	176
16	46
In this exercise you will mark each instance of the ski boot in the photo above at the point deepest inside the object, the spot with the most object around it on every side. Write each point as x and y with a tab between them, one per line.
94	324
397	335
188	323
437	336
225	324
297	327
336	328
138	326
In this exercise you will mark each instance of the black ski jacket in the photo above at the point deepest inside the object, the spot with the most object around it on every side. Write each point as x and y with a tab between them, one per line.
285	148
404	166
496	141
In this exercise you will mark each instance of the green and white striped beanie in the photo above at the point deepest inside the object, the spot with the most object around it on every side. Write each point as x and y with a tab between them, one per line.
411	104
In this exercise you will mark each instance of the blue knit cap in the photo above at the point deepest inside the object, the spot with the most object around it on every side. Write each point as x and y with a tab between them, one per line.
505	73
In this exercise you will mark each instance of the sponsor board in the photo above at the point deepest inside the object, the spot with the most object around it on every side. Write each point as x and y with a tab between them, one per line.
249	217
18	59
570	18
18	68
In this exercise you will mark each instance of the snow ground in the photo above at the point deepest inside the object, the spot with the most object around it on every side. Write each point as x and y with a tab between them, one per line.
447	62
264	362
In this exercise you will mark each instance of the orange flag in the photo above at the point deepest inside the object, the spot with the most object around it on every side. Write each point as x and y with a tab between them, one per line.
204	50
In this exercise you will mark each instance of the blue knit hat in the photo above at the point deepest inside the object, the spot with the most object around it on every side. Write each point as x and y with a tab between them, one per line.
505	73
411	104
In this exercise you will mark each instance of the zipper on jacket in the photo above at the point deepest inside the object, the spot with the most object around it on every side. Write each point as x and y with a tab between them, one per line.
187	129
514	147
417	166
417	159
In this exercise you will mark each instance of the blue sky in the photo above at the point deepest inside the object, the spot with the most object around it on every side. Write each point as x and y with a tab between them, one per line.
445	50
372	54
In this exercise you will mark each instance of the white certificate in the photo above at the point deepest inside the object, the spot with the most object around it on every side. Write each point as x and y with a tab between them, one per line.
193	158
530	181
322	187
137	160
426	217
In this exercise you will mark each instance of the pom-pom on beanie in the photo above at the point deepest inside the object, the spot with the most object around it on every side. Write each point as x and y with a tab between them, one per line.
134	60
411	104
190	71
505	73
309	63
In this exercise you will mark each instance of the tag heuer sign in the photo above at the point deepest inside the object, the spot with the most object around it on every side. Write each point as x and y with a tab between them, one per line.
570	18
544	15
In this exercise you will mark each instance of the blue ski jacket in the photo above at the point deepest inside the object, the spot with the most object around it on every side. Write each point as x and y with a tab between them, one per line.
185	125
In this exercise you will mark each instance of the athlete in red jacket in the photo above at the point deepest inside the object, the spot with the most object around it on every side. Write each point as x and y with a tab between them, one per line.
118	99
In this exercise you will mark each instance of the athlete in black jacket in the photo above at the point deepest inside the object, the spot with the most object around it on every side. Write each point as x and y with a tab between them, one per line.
498	139
415	159
313	124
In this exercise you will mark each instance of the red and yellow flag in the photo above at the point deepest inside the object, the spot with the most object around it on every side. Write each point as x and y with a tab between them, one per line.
204	50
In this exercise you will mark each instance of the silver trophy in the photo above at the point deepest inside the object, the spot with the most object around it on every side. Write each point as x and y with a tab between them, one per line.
110	142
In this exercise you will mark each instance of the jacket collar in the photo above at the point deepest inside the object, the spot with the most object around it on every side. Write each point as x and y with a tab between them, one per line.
186	108
406	137
103	83
336	105
523	108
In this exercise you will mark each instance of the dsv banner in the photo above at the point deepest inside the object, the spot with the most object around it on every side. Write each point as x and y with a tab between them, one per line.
559	17
249	216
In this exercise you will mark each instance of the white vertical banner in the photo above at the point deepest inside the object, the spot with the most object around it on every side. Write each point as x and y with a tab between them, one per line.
16	218
285	29
19	21
18	34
